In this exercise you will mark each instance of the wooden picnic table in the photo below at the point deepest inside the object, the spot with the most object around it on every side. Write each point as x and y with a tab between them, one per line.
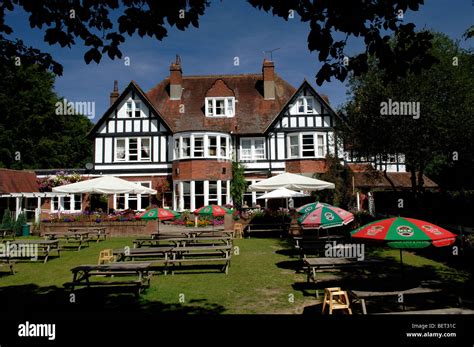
7	233
313	265
359	296
44	246
79	237
98	231
183	241
193	234
142	252
83	273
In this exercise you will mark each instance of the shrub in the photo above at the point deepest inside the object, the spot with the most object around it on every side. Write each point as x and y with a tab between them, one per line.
20	221
7	221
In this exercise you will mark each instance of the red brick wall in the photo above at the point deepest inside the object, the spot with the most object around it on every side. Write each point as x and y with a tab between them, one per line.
306	166
199	170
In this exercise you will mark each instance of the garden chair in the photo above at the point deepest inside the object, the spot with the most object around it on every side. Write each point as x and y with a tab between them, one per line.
106	256
336	299
238	230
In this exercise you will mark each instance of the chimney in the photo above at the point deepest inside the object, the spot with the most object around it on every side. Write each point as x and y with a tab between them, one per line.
325	98
176	79
115	94
268	71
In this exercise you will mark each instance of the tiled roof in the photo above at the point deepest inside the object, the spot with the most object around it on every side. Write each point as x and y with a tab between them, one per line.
376	179
17	181
252	114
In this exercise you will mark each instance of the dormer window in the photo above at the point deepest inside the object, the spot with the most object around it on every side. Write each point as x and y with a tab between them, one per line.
305	104
220	107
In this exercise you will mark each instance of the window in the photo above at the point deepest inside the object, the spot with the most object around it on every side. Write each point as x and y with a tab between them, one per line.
135	202
305	104
306	146
220	107
129	109
71	202
252	148
212	192
259	149
133	149
120	150
138	109
199	146
198	194
145	149
223	147
294	148
186	147
212	146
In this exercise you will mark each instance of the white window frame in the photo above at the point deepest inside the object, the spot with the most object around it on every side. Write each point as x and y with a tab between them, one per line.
135	105
57	203
137	197
303	101
253	152
316	145
127	149
229	106
178	147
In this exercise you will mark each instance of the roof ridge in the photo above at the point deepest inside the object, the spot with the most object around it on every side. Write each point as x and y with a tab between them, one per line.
222	75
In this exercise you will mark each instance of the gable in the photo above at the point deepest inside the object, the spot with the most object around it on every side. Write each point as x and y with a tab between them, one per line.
321	116
116	119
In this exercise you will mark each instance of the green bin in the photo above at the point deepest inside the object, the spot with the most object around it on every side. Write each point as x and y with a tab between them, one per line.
25	230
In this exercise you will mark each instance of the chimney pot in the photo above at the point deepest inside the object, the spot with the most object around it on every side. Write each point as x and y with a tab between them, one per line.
115	93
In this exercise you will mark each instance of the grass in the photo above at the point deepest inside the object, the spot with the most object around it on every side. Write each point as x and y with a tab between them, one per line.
262	279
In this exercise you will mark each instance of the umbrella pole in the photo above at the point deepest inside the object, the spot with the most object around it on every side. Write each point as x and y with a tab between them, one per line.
401	262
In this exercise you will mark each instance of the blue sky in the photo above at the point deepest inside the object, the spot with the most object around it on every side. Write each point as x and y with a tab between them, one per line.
230	28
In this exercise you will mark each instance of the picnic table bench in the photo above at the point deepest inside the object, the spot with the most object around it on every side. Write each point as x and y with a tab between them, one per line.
300	241
97	231
314	265
359	296
142	252
7	234
182	241
42	247
190	255
252	228
83	273
7	263
78	237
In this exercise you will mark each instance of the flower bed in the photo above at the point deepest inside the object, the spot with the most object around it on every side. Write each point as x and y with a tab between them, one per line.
114	228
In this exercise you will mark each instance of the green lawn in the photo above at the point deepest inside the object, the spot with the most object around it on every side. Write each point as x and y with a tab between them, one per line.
262	279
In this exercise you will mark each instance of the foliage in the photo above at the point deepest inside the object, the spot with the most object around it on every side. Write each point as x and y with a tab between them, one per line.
339	175
7	220
163	186
238	185
445	93
46	184
18	224
101	28
32	135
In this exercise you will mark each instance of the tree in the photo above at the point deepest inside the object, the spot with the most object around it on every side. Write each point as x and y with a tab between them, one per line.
238	185
66	22
18	224
442	131
339	175
7	221
32	134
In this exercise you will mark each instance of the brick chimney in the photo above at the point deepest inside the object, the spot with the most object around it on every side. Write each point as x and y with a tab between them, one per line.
268	71
325	98
115	94
176	79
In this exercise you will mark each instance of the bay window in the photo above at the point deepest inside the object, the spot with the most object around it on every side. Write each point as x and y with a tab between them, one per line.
201	146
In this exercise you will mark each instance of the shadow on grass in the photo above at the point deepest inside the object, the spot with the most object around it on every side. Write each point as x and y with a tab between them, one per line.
26	299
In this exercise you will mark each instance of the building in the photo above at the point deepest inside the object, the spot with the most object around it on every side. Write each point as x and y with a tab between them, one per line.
183	135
